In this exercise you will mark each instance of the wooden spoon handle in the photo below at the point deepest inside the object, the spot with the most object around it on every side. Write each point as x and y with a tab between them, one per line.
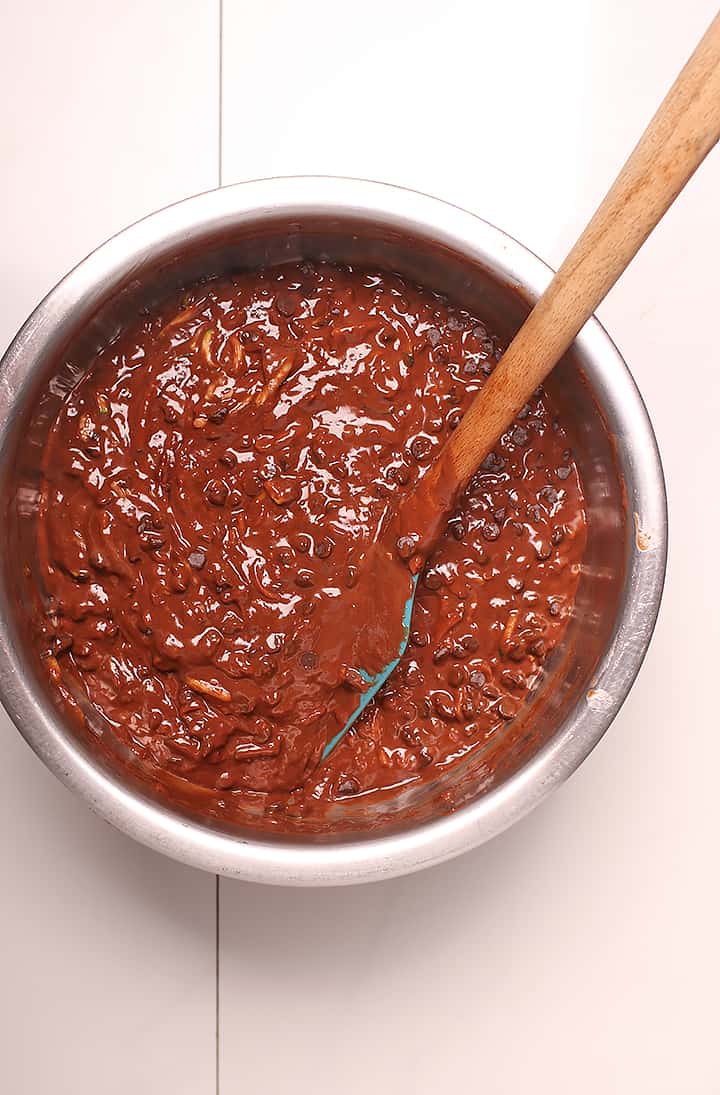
681	134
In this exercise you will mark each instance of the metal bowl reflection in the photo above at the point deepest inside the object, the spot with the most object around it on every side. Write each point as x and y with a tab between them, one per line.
278	220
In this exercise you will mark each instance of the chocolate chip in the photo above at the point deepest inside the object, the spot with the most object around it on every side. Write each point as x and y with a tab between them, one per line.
456	676
467	708
493	462
152	541
413	676
564	473
324	547
490	531
348	787
420	448
425	757
304	579
419	638
302	543
286	303
444	707
406	546
432	580
243	703
441	652
458	529
196	559
433	336
216	492
265	667
309	659
149	531
477	678
513	678
252	484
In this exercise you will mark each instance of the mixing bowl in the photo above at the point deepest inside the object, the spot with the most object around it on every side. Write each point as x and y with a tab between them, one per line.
478	266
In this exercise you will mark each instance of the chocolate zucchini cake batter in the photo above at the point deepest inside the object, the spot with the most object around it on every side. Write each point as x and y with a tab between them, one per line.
212	483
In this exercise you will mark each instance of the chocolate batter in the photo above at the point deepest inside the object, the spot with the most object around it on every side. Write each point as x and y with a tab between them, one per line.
211	488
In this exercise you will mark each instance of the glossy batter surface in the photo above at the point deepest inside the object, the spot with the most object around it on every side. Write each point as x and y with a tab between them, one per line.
211	486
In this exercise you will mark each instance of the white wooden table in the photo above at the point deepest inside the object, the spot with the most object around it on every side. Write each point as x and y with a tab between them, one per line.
580	951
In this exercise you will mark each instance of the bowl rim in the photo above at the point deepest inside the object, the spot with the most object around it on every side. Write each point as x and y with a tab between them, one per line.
387	855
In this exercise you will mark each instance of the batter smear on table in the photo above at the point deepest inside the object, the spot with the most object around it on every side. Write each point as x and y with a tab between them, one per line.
213	481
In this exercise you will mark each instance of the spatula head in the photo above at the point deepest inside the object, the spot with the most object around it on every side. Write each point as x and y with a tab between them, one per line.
333	666
392	631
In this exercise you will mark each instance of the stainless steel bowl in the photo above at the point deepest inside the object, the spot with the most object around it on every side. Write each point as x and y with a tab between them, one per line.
277	220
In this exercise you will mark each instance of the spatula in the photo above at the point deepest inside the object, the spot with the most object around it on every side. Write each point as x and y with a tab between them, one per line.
687	125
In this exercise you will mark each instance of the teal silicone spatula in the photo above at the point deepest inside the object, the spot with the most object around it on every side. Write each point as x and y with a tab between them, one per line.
682	132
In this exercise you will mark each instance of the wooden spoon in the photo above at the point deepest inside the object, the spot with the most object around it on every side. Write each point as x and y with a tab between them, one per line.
682	132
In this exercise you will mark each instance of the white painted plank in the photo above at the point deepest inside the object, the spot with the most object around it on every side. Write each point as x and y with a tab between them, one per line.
107	113
107	949
441	97
579	951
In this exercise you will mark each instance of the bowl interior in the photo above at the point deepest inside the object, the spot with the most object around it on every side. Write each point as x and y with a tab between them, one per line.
468	281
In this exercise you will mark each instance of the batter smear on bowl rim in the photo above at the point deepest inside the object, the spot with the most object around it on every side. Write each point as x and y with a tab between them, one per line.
210	488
